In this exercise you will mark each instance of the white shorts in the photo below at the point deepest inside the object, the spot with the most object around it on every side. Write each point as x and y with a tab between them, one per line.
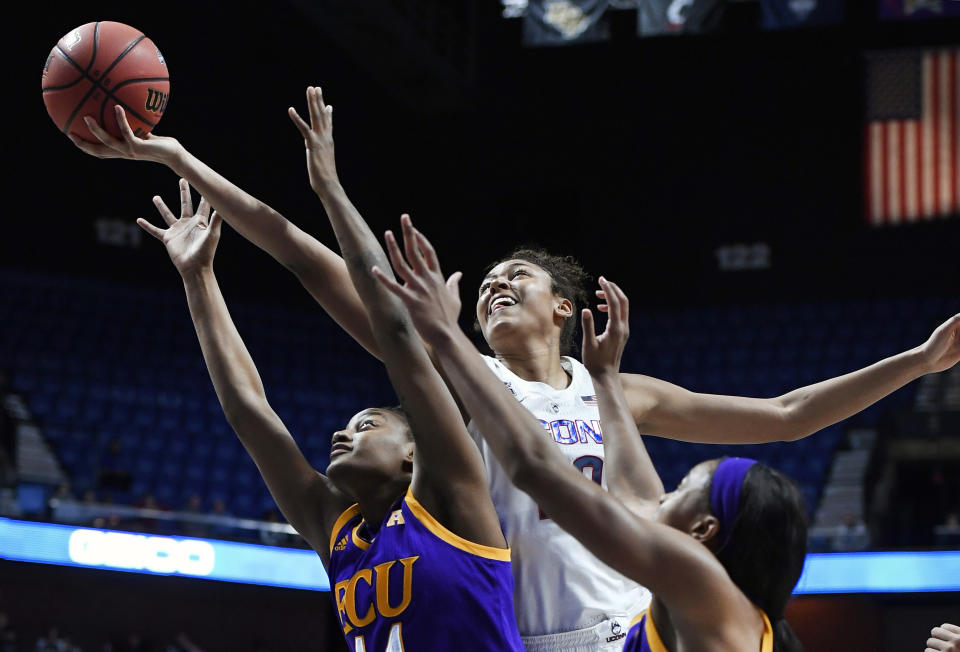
605	636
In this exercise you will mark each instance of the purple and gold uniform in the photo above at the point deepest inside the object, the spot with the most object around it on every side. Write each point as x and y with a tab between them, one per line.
417	586
644	637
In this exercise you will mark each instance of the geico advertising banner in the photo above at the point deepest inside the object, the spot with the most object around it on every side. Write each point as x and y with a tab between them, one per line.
823	573
161	555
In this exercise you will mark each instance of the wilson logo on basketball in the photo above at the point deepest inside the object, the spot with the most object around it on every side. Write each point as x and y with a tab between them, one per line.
156	101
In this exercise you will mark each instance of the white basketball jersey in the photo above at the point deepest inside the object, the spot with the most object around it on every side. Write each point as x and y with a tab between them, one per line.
559	585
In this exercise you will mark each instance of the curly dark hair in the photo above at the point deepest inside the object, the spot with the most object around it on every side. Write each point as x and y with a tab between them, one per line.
569	280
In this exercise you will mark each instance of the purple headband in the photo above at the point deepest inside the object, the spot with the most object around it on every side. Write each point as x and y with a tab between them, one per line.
725	492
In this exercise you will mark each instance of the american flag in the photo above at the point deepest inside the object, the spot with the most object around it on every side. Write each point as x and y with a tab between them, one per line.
589	400
912	139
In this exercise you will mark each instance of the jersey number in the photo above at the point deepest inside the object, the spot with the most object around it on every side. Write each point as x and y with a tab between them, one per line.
582	463
394	643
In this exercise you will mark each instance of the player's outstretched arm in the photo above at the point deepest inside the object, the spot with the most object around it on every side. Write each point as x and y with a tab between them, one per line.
320	270
664	409
629	472
449	478
667	561
307	499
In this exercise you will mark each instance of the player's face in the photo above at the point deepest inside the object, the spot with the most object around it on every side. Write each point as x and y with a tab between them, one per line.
374	443
516	297
681	507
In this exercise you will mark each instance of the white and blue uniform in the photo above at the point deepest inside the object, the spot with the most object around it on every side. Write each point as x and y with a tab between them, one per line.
566	599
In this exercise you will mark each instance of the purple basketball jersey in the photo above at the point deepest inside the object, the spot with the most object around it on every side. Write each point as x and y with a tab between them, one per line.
418	586
644	637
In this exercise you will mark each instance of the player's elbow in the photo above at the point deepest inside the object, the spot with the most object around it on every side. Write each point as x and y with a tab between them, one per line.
241	408
788	423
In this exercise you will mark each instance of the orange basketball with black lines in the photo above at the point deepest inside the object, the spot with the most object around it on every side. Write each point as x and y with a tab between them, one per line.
99	65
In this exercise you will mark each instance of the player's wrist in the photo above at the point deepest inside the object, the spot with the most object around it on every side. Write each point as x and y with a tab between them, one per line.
606	376
328	186
176	158
198	275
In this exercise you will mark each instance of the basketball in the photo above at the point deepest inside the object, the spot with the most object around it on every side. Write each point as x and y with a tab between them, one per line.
97	66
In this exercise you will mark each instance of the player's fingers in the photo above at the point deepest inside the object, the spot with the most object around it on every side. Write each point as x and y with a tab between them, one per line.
155	231
589	331
414	255
125	129
429	253
602	307
624	313
613	303
216	222
936	644
453	283
313	104
948	626
326	110
101	134
165	212
98	150
298	122
391	284
186	199
203	210
397	261
601	294
942	634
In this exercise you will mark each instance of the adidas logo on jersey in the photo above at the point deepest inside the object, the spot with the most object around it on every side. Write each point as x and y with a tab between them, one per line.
341	544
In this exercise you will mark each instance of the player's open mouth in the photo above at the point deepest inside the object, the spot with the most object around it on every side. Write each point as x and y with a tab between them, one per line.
501	302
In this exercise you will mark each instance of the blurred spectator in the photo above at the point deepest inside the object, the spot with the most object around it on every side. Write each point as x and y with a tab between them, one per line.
52	642
948	532
272	537
221	530
64	492
112	474
184	644
851	536
65	508
109	522
8	637
148	523
190	527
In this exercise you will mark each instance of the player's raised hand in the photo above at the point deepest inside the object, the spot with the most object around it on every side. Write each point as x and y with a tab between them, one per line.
601	353
945	638
191	240
318	139
942	350
433	303
160	149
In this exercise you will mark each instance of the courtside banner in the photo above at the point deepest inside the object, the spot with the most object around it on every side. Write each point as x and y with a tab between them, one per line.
211	559
565	22
880	572
48	543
